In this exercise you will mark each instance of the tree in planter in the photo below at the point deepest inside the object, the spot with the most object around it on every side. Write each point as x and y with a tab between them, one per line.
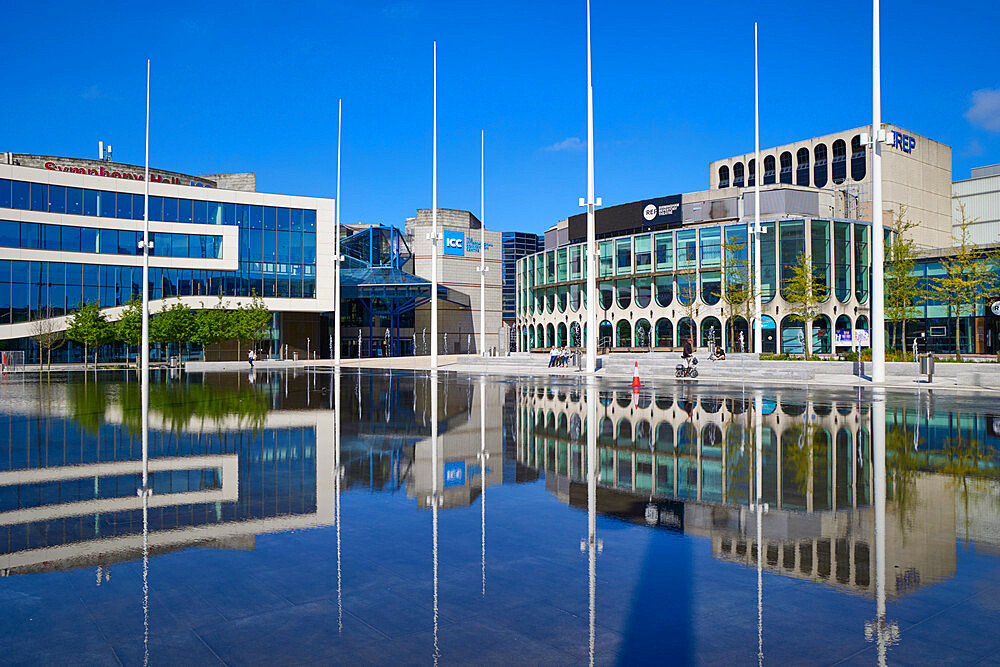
213	325
804	292
902	290
738	290
966	276
174	324
128	329
48	336
88	326
252	321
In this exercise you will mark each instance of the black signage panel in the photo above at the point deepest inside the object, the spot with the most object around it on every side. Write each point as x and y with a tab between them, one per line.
664	212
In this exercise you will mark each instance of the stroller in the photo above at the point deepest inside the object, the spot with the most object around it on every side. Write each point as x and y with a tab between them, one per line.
689	370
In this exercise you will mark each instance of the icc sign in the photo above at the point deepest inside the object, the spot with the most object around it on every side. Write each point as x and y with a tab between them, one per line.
454	243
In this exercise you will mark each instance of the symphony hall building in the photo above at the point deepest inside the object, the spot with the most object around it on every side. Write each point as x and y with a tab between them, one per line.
664	263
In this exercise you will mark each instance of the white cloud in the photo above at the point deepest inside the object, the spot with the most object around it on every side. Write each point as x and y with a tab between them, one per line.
567	144
974	149
985	109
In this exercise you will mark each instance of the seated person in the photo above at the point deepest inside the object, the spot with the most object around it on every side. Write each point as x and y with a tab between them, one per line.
720	353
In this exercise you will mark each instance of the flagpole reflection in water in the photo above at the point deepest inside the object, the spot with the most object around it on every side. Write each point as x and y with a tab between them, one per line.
434	500
883	632
483	456
759	509
338	473
592	544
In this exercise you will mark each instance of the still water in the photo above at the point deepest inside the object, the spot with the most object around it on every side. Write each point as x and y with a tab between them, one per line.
376	518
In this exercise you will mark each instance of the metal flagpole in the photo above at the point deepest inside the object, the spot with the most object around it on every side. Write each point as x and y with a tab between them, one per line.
336	249
144	353
434	226
878	239
482	243
758	333
591	337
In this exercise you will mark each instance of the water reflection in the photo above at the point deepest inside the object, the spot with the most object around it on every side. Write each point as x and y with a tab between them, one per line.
681	461
866	496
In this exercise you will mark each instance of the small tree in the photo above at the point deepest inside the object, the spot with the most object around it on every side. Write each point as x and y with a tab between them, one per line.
738	289
128	329
48	336
213	325
804	292
966	275
252	321
901	285
88	326
174	324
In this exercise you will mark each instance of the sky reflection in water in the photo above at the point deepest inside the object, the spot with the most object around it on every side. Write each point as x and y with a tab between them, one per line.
492	545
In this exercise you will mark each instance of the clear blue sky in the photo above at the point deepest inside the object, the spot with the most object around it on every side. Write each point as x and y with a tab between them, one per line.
254	86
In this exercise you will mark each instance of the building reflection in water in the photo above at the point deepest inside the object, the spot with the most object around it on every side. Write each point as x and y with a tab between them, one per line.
684	461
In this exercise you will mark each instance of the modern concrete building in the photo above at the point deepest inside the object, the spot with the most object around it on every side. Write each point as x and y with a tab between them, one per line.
458	318
980	195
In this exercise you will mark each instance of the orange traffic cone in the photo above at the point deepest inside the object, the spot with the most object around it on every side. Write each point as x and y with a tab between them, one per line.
635	376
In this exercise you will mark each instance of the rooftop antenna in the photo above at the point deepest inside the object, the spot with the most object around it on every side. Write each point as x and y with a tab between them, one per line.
109	153
100	150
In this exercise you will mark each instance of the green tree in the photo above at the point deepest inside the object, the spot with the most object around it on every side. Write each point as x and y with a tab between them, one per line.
966	276
804	292
902	290
174	324
213	325
128	328
87	325
253	321
738	291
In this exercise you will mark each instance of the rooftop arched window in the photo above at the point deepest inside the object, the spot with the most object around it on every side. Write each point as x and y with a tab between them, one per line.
802	167
738	175
769	170
819	165
786	168
751	173
858	162
838	166
724	176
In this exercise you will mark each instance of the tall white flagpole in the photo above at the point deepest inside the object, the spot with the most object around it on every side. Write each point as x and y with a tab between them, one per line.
591	230
434	226
336	249
878	239
482	243
758	332
144	353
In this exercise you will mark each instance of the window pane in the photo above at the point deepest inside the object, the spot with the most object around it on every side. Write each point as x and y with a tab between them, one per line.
30	236
155	208
106	206
38	196
138	206
57	199
4	193
74	201
711	256
606	260
643	253
90	202
213	213
124	206
768	268
687	251
89	239
200	212
19	194
664	251
109	241
185	212
792	245
71	239
51	237
169	209
10	235
269	217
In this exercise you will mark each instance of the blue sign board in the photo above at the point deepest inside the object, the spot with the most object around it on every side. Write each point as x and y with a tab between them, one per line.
473	245
454	471
454	243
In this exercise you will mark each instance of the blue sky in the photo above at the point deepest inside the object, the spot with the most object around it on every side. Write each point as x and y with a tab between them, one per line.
254	86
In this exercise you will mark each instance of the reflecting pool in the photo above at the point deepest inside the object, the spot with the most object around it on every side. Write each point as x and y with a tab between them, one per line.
373	517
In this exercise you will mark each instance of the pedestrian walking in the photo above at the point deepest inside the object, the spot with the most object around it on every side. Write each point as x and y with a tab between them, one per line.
250	357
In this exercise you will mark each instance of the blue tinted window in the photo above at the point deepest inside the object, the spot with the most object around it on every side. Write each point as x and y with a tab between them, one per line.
281	254
89	239
180	245
295	216
57	199
283	219
37	196
295	247
309	248
90	202
4	193
109	241
169	209
229	214
71	239
10	234
199	208
30	235
72	274
51	237
309	220
161	245
57	273
89	274
184	210
213	213
124	208
138	206
106	205
20	194
155	208
256	217
74	201
256	240
269	217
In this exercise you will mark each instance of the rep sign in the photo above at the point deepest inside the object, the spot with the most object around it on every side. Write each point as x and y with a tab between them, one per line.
903	142
454	243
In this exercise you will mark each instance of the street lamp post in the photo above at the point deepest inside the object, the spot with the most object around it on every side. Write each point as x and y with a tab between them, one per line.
758	333
591	202
878	239
337	259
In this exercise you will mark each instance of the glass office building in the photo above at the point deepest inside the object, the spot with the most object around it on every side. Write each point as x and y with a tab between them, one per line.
515	246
